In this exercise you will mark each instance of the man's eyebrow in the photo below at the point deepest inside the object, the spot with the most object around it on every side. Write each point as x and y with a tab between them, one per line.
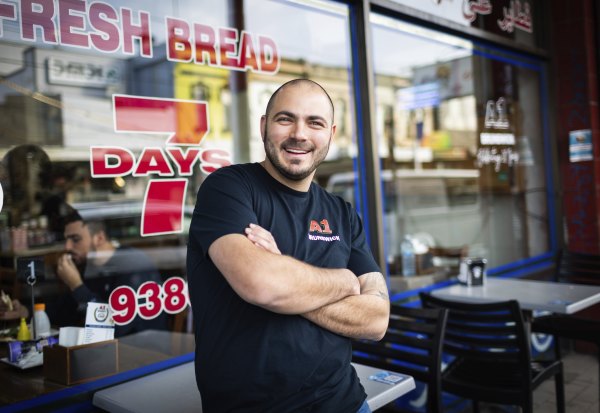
286	113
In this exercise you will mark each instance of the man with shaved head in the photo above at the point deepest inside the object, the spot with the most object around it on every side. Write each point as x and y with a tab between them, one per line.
280	274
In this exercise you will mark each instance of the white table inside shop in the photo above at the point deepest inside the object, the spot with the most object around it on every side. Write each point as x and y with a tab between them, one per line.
556	297
175	389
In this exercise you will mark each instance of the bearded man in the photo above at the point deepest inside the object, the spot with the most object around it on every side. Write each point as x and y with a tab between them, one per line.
280	274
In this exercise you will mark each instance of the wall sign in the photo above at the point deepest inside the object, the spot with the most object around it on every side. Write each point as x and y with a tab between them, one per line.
580	146
497	123
79	73
496	157
495	114
518	15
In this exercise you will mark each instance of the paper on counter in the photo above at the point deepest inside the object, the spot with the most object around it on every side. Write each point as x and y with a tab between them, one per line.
70	336
99	324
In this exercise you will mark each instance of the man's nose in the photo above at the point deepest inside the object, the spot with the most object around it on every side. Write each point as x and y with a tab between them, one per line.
68	244
299	130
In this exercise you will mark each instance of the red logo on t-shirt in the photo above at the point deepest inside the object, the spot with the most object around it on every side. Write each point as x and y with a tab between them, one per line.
320	227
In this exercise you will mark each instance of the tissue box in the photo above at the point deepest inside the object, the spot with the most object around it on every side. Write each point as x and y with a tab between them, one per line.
78	364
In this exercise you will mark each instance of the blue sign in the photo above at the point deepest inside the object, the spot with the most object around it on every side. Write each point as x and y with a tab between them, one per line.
580	145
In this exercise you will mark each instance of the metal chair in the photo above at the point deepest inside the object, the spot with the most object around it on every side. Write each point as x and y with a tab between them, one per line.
492	355
578	269
412	345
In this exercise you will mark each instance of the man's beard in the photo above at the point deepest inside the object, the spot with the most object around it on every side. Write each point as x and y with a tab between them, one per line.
80	264
272	154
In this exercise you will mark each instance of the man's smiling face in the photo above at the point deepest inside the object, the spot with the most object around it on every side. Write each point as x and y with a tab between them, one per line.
297	131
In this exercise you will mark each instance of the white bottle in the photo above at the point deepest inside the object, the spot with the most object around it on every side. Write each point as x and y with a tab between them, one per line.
408	257
41	320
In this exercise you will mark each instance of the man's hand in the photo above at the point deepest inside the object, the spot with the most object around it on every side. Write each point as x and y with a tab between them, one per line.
365	316
262	238
67	271
12	309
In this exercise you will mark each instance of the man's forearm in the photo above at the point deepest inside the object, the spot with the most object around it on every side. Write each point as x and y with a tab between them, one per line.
363	316
279	283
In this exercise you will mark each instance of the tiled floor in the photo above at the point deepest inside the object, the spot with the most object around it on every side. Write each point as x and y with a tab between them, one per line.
581	388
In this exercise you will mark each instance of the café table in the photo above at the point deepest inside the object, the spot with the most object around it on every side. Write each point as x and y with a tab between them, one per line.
175	390
140	354
532	295
561	298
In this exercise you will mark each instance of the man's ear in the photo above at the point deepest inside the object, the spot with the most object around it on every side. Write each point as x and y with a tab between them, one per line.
263	125
99	238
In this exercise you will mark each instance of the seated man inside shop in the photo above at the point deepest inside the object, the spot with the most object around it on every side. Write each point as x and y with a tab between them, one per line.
92	267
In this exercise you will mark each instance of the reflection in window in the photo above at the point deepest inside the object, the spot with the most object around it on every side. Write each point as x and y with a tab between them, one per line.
458	131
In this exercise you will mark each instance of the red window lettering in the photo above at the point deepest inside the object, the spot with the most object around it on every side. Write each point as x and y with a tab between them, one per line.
69	21
228	46
213	159
186	120
269	57
150	300
40	16
123	303
152	161
185	162
140	31
179	47
104	18
151	306
8	12
175	295
163	207
205	45
110	162
247	54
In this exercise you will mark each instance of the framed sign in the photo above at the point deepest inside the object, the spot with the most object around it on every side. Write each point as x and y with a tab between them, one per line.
580	145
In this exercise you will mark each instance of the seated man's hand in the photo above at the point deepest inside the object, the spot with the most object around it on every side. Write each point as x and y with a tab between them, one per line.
67	271
12	309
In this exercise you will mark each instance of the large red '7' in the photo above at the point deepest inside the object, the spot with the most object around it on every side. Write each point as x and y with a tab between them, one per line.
187	123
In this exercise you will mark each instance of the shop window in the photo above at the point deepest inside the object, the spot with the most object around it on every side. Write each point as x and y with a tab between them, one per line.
96	99
460	132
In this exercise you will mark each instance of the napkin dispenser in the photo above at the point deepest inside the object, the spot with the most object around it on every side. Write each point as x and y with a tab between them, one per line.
78	364
472	271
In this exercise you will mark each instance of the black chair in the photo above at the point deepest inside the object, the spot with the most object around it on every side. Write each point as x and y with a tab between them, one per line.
574	268
492	355
412	345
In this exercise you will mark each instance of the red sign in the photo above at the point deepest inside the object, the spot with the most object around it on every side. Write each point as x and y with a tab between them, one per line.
163	207
187	123
186	120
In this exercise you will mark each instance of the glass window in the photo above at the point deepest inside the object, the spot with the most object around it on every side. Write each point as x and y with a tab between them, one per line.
121	108
460	134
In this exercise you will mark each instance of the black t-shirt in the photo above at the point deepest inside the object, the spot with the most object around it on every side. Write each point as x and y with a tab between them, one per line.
250	359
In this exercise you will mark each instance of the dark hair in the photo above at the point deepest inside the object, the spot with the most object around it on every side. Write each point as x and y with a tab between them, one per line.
294	82
72	215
